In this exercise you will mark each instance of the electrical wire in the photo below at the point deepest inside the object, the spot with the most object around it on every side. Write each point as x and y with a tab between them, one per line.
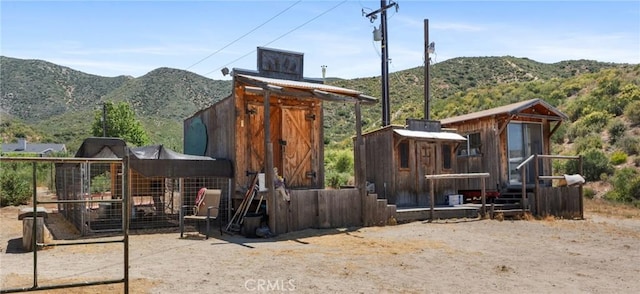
280	37
251	31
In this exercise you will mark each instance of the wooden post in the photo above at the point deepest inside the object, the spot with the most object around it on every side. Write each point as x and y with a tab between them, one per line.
523	182
484	197
360	169
580	192
431	198
272	200
535	176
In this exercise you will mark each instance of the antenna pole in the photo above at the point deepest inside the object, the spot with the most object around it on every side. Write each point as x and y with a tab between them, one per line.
427	79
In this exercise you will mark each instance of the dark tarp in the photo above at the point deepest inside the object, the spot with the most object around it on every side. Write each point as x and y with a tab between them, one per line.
102	148
157	161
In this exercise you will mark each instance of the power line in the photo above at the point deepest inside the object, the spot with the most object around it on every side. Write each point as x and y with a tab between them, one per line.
251	31
280	37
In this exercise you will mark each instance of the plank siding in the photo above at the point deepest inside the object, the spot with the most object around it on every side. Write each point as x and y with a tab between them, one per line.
380	163
563	202
324	209
489	159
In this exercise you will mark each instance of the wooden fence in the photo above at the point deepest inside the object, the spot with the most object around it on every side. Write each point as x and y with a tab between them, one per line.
564	202
322	209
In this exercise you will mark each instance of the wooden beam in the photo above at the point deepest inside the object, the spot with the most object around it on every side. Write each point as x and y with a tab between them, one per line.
506	123
458	176
539	116
555	128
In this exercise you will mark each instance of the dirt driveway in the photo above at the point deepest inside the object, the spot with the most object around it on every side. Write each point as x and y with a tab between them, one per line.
598	255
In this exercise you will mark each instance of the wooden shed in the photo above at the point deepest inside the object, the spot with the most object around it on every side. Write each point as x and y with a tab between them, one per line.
290	138
501	138
513	144
399	157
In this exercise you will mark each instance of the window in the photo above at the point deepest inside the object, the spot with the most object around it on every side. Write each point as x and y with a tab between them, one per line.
446	156
471	147
403	150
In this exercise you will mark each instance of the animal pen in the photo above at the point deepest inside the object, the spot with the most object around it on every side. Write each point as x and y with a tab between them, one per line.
33	223
160	181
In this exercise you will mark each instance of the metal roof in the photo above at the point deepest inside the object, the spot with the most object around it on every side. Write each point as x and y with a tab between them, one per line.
40	148
445	136
307	86
510	109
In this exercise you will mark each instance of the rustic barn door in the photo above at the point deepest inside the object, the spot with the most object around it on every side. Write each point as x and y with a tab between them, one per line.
298	147
256	136
426	165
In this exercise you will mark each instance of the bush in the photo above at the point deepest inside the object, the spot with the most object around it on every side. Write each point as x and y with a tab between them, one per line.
626	185
593	122
339	167
589	193
594	163
560	134
588	142
15	188
630	145
632	112
637	161
101	183
618	157
616	131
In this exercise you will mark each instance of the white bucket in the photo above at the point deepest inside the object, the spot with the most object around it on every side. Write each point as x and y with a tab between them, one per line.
455	199
262	184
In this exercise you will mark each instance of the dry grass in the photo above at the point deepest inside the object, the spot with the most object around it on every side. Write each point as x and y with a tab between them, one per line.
611	209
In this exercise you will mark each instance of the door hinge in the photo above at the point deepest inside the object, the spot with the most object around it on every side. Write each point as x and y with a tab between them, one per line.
310	174
310	116
282	142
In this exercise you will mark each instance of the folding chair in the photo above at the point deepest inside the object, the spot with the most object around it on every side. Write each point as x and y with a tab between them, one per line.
207	208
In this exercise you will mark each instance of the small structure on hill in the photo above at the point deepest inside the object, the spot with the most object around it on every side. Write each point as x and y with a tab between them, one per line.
39	149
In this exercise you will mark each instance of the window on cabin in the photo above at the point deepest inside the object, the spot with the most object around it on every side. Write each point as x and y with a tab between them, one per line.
403	152
446	156
471	147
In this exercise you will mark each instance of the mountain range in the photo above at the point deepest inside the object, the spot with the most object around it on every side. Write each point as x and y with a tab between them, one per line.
51	103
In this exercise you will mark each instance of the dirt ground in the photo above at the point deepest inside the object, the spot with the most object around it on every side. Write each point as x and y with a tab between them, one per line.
600	254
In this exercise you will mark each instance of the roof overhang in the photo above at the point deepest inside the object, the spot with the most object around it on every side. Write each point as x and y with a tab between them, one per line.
534	108
257	85
438	136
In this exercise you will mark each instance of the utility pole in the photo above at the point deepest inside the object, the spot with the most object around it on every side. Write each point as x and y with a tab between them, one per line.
104	119
428	49
324	72
385	56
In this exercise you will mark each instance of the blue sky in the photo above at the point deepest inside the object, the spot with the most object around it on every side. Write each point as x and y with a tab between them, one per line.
110	38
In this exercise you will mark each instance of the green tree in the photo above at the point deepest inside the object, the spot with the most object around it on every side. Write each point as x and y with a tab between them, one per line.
120	122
